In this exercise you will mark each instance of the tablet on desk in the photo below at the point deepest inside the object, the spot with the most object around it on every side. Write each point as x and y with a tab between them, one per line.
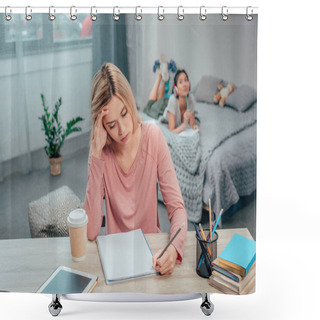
65	280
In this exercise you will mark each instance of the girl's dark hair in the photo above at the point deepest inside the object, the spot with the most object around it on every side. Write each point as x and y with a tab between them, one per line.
175	79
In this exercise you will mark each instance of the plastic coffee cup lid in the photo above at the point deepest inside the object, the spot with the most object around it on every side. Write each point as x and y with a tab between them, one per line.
77	218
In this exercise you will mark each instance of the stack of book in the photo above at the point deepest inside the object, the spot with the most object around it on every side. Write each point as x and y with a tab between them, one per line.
234	270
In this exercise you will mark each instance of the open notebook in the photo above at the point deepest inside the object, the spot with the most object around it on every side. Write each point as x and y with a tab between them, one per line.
125	256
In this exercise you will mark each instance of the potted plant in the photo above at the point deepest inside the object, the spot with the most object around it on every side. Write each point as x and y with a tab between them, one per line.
55	133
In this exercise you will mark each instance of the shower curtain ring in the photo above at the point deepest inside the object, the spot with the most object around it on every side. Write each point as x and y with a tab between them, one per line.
51	15
224	13
180	15
73	15
249	16
27	13
8	17
203	16
160	16
116	16
138	16
93	16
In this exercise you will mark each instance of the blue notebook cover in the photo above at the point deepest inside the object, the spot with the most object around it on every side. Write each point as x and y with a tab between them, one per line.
240	251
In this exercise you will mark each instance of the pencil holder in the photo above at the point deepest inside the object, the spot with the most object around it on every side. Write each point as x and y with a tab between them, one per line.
206	252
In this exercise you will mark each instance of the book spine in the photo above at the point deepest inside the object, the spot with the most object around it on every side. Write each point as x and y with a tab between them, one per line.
249	287
225	283
226	272
233	268
221	288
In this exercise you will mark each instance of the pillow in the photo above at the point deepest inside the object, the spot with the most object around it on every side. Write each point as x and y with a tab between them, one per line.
207	88
242	98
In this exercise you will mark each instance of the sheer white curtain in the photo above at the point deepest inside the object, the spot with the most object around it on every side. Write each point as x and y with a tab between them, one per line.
40	56
15	138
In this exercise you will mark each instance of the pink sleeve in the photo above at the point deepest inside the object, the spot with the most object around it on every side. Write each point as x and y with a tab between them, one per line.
172	197
94	196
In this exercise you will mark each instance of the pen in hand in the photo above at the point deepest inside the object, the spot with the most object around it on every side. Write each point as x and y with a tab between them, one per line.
164	263
164	250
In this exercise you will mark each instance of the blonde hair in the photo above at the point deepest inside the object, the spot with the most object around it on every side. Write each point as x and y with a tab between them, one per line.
108	82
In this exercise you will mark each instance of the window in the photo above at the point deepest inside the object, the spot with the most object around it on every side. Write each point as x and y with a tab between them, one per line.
65	30
41	34
31	32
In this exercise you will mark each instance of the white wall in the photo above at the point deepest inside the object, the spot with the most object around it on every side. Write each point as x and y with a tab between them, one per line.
66	74
213	47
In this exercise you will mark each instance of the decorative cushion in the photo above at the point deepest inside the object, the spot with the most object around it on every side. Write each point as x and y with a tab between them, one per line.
242	98
207	88
48	215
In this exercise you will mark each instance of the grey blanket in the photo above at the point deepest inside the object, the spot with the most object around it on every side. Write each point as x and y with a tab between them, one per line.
231	171
191	154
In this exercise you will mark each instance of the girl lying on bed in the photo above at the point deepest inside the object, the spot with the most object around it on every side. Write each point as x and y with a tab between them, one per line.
179	110
125	160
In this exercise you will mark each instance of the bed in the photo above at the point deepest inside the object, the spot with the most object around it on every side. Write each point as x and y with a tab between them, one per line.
218	162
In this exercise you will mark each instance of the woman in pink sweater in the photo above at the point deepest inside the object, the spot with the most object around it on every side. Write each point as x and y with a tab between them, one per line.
126	159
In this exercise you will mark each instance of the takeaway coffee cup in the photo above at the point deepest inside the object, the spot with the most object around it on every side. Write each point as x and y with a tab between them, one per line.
77	222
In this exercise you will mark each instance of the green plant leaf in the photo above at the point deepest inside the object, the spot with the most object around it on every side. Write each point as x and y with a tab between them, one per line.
53	129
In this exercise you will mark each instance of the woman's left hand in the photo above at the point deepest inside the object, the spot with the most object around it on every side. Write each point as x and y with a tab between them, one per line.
186	116
195	127
166	263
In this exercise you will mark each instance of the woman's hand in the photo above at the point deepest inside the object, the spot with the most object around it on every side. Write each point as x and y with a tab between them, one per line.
195	127
186	116
100	134
166	263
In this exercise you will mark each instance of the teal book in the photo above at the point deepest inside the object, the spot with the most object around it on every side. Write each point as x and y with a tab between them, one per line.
239	254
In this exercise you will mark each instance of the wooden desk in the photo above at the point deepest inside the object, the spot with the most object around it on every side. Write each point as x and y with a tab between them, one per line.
25	264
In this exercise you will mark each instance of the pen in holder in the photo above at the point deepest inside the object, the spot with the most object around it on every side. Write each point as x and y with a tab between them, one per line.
206	252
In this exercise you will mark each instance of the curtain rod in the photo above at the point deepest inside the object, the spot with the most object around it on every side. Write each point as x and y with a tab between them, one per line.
249	10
